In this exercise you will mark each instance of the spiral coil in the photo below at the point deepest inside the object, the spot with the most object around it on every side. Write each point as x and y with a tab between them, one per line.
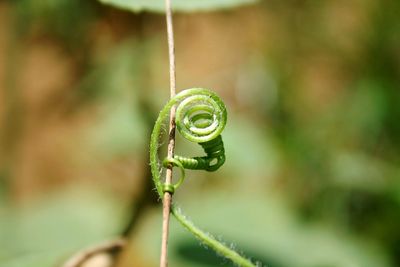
200	117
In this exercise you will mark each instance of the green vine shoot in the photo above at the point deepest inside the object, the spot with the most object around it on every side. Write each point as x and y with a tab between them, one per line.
201	117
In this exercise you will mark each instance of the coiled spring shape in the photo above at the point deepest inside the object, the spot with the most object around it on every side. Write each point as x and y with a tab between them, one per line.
200	117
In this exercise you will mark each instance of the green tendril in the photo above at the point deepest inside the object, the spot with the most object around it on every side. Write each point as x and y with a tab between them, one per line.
200	117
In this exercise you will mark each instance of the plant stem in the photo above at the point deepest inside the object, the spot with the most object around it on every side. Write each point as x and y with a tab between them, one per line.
167	198
210	241
200	94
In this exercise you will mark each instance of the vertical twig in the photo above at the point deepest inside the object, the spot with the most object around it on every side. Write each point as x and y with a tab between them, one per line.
167	199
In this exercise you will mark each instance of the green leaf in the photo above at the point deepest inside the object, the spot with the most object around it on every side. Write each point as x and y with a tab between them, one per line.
51	229
265	228
178	5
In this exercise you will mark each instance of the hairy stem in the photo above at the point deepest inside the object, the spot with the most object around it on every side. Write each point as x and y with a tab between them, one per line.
210	241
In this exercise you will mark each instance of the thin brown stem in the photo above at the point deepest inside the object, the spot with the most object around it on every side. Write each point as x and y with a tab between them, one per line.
167	199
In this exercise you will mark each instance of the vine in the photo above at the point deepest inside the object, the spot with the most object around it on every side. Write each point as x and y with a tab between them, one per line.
200	117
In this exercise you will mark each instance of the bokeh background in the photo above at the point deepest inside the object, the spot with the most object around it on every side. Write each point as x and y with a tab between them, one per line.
312	142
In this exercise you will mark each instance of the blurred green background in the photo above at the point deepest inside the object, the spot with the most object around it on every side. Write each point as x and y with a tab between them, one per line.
312	176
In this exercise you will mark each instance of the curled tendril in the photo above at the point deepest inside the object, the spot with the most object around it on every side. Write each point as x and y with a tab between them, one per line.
200	117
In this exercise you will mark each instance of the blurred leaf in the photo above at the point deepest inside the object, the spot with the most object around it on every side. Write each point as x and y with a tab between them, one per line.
256	153
178	5
120	127
49	230
261	226
33	260
120	131
357	170
66	19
